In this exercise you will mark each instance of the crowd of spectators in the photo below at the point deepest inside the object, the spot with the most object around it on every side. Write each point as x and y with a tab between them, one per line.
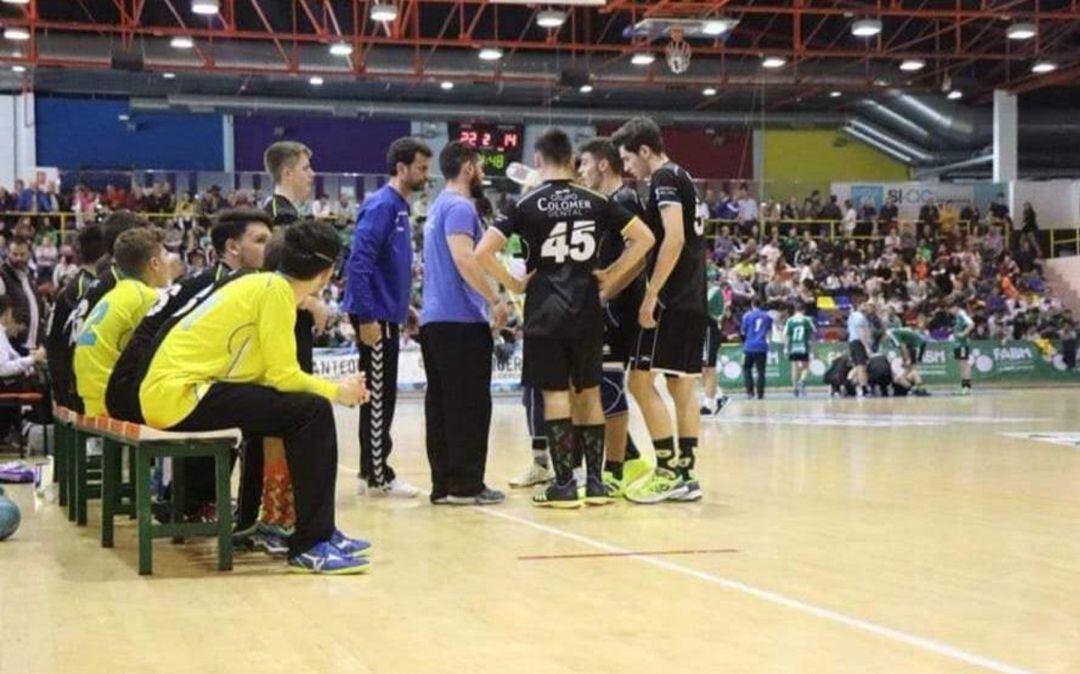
911	273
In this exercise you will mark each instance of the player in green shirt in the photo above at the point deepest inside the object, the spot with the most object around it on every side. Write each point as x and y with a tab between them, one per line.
712	394
798	335
912	345
961	331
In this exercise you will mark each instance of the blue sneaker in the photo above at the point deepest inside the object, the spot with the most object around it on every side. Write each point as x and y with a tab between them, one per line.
271	538
326	559
354	547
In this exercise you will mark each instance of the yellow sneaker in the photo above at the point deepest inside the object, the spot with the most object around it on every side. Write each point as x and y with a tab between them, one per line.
634	470
662	486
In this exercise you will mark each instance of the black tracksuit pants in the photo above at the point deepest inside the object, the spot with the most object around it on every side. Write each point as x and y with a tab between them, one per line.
457	405
306	423
380	364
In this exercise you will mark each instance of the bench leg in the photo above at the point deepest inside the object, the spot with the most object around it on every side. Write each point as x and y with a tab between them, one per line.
142	511
77	440
179	494
60	468
81	460
224	509
110	489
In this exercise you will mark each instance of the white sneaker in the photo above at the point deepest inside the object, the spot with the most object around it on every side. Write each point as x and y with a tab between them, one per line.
579	476
535	474
396	488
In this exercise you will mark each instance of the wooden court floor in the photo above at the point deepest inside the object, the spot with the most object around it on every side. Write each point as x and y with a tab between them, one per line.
934	535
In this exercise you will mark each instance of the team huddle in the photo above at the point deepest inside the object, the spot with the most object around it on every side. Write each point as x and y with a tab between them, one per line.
615	292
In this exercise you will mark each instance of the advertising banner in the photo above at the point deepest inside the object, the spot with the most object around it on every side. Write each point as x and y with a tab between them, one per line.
992	361
909	196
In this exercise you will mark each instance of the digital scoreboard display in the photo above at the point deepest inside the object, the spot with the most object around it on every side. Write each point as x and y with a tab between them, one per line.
498	144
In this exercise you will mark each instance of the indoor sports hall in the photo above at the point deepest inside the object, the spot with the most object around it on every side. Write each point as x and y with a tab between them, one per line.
409	336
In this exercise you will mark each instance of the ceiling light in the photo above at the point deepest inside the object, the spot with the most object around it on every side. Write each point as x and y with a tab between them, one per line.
490	54
1021	30
713	27
1043	67
773	62
16	33
169	76
911	65
550	18
955	95
16	2
315	81
181	42
207	7
709	91
447	85
383	11
866	27
341	49
585	88
643	58
835	94
18	69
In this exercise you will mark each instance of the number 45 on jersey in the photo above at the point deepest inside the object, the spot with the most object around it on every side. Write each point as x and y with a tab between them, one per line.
579	246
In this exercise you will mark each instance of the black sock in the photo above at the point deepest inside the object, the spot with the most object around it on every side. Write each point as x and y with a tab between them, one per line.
965	383
614	467
560	435
540	452
592	441
665	454
686	456
579	447
632	452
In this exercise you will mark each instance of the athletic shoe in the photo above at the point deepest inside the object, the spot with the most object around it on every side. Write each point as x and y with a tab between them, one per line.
243	539
921	393
615	488
706	411
693	490
534	475
396	488
555	495
662	486
633	471
353	547
486	497
272	538
327	559
796	391
721	403
965	391
439	499
597	493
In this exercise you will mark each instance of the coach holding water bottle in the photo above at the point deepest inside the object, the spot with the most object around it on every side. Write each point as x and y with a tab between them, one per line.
377	290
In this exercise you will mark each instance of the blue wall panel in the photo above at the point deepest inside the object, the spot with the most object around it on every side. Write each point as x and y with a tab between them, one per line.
339	145
75	133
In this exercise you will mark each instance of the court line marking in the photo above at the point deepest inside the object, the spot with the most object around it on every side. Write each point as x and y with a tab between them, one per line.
913	640
638	553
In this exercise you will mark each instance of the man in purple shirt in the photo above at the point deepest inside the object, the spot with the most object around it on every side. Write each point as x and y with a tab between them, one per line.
455	336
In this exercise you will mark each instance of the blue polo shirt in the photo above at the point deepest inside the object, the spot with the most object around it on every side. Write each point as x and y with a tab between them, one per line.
379	273
448	298
756	326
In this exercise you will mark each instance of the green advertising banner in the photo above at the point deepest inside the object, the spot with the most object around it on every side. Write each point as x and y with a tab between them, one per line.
992	361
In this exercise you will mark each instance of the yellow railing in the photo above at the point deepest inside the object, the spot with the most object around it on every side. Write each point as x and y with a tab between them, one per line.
1064	237
830	230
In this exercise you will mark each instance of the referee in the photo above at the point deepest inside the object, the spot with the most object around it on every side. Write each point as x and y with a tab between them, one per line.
377	293
456	338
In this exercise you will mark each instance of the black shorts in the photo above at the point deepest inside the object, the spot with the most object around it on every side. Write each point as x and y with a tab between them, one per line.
912	358
554	363
673	347
620	328
712	343
962	353
859	356
799	357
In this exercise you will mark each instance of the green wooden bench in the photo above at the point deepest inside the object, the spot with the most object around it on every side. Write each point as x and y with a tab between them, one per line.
146	445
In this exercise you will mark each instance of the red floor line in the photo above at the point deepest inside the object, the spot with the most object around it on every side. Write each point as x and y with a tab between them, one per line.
644	553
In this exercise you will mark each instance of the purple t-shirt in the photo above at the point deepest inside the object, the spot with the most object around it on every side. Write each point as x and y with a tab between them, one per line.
448	298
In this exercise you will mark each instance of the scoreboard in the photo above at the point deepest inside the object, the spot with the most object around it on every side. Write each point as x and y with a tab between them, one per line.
498	144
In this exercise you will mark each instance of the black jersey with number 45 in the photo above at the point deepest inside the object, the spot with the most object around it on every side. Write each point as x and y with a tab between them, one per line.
685	288
561	226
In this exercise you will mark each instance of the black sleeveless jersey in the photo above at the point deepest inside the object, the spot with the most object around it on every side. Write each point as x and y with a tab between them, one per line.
561	226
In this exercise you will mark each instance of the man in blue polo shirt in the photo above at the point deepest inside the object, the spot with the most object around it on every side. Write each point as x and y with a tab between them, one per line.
377	293
456	338
756	327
